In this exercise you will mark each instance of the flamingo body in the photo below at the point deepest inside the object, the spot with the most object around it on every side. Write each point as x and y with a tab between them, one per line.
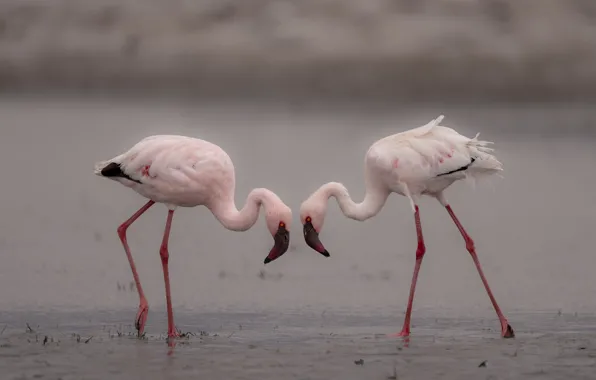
181	171
174	170
427	160
421	161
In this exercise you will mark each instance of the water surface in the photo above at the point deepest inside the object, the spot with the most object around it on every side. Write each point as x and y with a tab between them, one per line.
63	267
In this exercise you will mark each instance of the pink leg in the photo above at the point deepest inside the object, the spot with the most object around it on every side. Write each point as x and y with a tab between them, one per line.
141	317
419	255
506	330
163	252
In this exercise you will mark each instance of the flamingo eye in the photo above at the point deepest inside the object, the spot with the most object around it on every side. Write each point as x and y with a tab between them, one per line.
308	219
282	224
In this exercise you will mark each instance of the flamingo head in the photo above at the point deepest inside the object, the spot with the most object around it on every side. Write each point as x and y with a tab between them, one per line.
312	217
278	223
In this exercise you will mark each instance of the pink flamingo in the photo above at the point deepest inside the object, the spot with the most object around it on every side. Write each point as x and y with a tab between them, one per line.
188	172
421	161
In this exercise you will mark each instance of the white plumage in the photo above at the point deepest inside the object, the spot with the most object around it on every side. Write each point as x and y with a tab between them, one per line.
421	161
176	170
187	172
428	159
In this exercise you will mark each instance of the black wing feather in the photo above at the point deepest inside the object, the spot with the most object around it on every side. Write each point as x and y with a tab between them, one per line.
459	169
115	170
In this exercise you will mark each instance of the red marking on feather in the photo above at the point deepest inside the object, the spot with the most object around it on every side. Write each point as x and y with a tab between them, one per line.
395	163
145	170
441	160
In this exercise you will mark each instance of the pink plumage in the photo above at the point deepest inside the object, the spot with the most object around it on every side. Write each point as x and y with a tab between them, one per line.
182	171
421	161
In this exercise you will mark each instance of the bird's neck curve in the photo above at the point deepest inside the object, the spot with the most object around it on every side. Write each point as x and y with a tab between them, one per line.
241	220
374	200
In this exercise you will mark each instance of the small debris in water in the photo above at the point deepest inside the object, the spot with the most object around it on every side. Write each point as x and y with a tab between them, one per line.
394	376
264	275
89	339
483	364
29	329
186	335
359	362
45	340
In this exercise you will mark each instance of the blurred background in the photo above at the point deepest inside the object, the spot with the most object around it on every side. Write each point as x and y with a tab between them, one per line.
295	92
381	49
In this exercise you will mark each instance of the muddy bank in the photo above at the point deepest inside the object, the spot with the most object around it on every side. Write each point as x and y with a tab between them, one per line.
454	49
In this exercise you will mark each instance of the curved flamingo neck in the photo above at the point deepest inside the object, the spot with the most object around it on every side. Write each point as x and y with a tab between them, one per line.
241	220
374	200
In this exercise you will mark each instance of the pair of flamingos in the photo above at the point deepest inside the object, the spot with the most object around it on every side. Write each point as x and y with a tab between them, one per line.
182	171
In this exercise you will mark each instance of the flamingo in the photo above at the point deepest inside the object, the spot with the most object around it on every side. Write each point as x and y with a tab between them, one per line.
421	161
181	171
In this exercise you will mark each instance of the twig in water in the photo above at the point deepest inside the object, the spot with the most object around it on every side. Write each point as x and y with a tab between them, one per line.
88	340
2	332
29	328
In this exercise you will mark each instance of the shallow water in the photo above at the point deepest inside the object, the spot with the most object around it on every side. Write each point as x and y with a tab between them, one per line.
302	316
303	345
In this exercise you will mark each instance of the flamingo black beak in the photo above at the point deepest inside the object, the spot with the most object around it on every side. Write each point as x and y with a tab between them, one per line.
311	236
281	243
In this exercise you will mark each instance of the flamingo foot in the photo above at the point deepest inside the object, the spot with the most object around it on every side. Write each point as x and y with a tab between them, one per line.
403	334
507	331
141	318
173	333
